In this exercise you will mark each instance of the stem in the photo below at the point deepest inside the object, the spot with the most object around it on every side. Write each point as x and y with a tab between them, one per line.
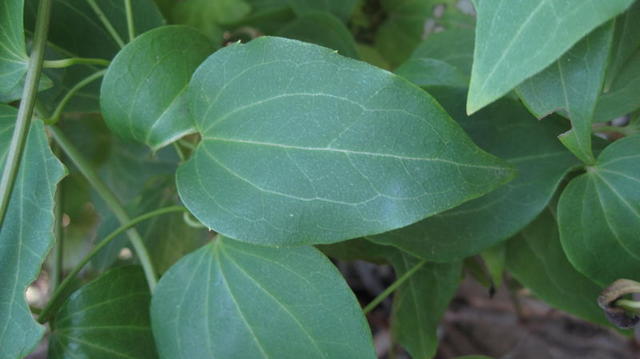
130	25
628	305
392	288
55	298
105	21
55	117
62	63
110	199
23	120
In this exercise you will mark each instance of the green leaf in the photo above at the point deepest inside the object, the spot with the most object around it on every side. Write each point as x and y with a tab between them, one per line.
599	215
626	42
77	31
507	130
230	298
536	259
406	23
340	8
143	92
26	234
13	53
512	40
444	59
420	303
106	318
292	152
208	16
573	84
323	29
494	259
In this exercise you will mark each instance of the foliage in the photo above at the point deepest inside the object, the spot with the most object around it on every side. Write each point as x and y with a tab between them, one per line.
232	147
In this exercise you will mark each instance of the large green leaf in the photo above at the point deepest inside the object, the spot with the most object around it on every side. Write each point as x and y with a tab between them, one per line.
599	215
26	234
77	31
513	43
107	318
300	145
236	300
573	84
536	259
13	54
323	29
443	59
143	92
420	303
507	130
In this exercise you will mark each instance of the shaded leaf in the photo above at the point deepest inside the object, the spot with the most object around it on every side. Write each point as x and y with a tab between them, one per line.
507	130
13	53
229	298
25	235
420	303
293	152
622	97
536	259
626	42
143	93
106	318
599	215
209	16
512	40
340	8
573	84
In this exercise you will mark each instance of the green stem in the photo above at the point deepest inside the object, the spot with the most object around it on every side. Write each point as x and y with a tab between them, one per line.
25	112
130	24
60	290
58	256
62	63
55	117
628	305
105	21
393	287
110	199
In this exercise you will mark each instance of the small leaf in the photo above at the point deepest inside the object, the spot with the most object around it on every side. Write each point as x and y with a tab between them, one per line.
573	84
13	53
536	259
512	40
323	29
230	299
107	318
505	129
599	215
303	146
444	59
143	92
25	235
420	303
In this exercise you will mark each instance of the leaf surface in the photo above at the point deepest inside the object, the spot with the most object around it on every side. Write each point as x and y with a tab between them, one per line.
26	234
599	215
512	40
303	146
13	53
143	93
573	84
536	259
340	8
105	319
507	130
229	298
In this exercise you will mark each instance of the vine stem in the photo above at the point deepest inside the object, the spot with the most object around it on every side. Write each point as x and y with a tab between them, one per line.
393	287
55	117
628	305
25	112
62	288
130	24
110	199
105	22
62	63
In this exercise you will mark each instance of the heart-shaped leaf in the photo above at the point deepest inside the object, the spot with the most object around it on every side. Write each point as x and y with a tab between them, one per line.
107	318
599	215
512	40
231	299
143	93
26	234
303	146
